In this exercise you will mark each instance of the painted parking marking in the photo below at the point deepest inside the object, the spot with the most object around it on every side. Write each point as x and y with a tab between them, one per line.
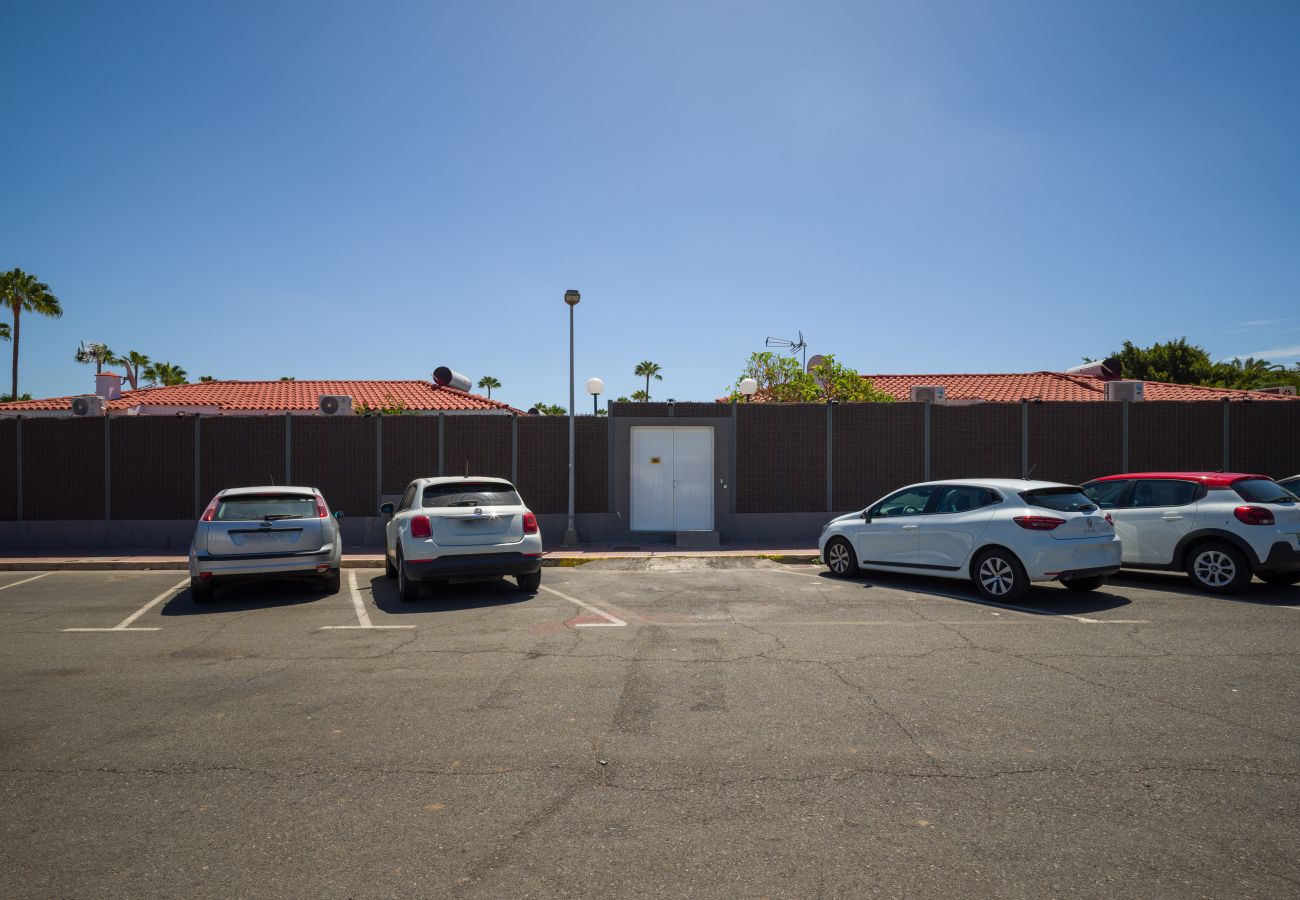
363	614
24	581
125	624
611	621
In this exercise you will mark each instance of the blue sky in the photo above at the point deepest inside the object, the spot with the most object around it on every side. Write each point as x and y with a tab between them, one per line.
372	190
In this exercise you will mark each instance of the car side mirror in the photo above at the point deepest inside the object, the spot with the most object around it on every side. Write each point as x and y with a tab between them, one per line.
866	515
338	514
387	509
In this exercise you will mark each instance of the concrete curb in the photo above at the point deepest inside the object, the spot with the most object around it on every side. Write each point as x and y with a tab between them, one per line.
364	562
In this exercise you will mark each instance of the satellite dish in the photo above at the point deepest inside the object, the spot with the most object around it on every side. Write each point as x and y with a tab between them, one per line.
816	361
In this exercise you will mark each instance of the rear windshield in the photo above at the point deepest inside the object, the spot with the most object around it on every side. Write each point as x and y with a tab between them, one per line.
1262	490
1062	499
265	506
470	493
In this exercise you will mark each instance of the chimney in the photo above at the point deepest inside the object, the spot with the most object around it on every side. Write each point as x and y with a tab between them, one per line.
108	385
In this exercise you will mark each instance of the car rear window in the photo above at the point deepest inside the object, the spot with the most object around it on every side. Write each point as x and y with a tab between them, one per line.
1262	490
1062	499
470	493
265	506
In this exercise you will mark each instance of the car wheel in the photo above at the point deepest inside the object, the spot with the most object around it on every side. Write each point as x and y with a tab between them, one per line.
1281	579
390	570
999	576
840	558
201	590
530	582
1084	584
331	582
1218	568
408	591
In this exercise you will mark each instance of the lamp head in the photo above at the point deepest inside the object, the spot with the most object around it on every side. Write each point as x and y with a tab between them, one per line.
595	386
748	387
572	297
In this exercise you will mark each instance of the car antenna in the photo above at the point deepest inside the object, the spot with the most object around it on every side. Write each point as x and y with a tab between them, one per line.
467	468
1030	472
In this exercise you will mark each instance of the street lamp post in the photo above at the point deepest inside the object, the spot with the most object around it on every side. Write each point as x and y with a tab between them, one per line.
594	387
572	298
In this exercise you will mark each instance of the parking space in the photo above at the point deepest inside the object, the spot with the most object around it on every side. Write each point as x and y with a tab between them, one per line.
647	727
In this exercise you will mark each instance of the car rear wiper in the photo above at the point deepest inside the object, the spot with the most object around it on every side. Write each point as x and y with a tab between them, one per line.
275	517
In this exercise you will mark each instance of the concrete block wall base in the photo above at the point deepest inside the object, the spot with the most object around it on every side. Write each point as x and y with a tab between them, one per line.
698	540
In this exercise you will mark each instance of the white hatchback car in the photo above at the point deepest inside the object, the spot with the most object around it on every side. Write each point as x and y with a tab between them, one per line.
1218	527
460	529
999	533
265	532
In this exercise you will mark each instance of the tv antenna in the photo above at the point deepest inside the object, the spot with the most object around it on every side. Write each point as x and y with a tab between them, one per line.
793	346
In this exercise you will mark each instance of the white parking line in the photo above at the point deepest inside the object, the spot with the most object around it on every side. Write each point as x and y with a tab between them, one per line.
613	622
24	581
125	624
363	614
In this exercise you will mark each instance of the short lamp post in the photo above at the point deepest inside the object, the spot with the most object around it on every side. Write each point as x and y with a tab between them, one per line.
572	298
594	387
748	387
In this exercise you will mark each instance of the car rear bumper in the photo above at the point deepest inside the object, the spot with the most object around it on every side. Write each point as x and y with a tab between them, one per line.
472	565
1098	571
302	563
1073	559
1282	557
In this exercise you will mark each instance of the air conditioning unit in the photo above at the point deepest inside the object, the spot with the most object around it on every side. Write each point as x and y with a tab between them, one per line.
1285	390
88	405
334	405
1125	390
928	393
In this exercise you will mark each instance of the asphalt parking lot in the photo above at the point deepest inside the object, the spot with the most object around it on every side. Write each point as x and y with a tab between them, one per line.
646	728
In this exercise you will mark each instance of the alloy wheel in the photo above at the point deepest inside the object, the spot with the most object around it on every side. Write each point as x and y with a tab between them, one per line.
837	558
1215	568
997	576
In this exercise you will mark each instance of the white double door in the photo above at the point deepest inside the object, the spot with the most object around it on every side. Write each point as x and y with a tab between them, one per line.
672	478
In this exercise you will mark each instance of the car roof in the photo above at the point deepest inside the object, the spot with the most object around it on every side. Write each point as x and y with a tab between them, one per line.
1209	479
1006	484
448	479
269	489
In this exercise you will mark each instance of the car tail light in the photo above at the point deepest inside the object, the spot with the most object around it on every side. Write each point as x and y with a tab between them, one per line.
420	527
1039	523
1110	520
1254	515
322	511
210	511
530	523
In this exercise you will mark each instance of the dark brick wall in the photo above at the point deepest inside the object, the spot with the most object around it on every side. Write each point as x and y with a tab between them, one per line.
410	450
1175	437
1075	442
481	442
152	464
63	468
591	465
544	463
241	451
677	410
780	458
1265	438
876	449
8	469
337	457
982	440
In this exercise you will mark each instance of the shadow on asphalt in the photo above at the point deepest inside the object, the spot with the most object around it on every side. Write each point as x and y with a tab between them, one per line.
1177	583
448	597
245	596
1042	600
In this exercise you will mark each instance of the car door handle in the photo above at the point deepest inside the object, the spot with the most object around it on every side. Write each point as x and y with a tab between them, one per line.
1172	517
911	527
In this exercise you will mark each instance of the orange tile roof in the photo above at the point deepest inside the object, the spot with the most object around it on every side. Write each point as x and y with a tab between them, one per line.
283	396
1014	387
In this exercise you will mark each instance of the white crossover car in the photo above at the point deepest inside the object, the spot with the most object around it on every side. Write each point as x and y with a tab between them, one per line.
1218	527
999	533
265	532
460	529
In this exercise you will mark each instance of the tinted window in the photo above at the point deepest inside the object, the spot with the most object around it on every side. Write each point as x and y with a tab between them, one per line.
909	502
1292	485
1107	494
1062	499
1262	490
962	498
407	499
266	506
1165	492
470	493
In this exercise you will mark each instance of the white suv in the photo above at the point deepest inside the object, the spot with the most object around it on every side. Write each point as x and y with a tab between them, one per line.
460	529
1219	527
1000	533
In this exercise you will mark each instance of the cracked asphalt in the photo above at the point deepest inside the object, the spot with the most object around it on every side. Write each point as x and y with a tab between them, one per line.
752	730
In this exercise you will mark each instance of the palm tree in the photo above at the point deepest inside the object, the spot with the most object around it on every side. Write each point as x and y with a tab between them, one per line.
4	331
648	370
487	381
640	396
166	374
288	378
21	292
93	352
206	378
133	362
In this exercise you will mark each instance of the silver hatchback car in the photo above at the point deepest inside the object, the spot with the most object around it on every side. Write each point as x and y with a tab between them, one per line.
265	532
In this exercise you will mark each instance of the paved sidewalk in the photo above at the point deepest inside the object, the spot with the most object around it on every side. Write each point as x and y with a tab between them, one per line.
373	557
